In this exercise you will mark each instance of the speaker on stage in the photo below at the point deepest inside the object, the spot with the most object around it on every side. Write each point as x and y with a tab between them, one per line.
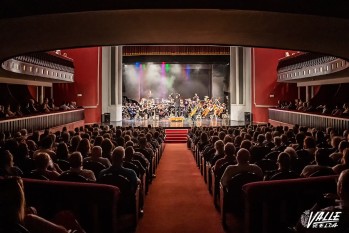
248	118
106	117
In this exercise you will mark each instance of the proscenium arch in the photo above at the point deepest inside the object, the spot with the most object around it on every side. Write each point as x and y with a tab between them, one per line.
299	32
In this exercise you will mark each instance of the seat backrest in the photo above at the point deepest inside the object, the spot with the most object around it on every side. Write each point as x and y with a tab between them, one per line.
236	183
266	165
144	152
63	164
323	172
117	180
36	175
94	166
284	175
273	155
72	177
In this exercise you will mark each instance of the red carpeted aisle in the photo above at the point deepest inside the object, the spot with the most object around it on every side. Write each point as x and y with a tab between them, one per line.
178	200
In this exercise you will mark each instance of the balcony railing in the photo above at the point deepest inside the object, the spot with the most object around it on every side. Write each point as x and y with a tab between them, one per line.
40	122
308	119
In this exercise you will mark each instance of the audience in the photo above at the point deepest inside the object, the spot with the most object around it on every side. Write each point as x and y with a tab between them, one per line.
75	161
243	165
96	156
321	163
117	168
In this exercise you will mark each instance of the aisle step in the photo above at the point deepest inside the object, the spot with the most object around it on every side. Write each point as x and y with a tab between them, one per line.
176	135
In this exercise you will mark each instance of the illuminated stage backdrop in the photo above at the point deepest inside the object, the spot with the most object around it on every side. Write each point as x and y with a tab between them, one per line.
161	79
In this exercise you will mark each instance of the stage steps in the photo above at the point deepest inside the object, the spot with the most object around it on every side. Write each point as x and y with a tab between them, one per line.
176	135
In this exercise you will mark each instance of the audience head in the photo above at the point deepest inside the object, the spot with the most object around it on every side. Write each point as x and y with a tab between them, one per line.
309	143
96	152
291	152
42	161
335	142
75	142
118	156
321	157
283	161
219	146
6	159
62	151
243	156
260	138
12	201
75	160
129	151
343	185
47	143
345	158
229	149
246	144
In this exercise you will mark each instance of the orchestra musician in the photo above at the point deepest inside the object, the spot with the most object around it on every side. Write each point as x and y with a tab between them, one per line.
177	103
196	98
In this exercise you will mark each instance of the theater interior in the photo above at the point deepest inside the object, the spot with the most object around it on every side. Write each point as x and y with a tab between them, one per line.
269	53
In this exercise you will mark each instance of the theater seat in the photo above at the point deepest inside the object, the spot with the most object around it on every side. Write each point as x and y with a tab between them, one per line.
284	176
96	167
323	172
231	196
129	199
266	165
63	164
37	176
72	177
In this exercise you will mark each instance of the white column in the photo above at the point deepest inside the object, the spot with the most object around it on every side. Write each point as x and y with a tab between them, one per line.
112	82
240	82
118	74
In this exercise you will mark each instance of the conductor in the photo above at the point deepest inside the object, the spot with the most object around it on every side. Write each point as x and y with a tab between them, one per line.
177	103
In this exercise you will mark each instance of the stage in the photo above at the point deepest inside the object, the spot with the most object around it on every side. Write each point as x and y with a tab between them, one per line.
186	123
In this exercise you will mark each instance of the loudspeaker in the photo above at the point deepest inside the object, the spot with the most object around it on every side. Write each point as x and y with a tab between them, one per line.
248	118
106	117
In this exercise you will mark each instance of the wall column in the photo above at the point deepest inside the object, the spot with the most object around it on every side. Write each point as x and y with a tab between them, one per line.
112	82
240	82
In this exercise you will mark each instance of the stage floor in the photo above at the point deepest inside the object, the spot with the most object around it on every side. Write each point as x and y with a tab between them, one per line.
187	123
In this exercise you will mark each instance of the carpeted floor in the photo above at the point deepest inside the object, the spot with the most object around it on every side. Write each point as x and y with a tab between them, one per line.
178	200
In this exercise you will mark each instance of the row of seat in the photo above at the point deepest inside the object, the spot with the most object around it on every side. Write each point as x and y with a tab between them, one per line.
89	201
263	206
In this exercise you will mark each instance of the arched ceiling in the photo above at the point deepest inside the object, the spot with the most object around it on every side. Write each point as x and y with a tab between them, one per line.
34	25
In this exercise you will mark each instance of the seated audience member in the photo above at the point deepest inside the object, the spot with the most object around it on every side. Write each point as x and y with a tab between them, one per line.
2	112
277	144
330	205
118	169
45	107
96	156
138	156
326	109
346	109
75	161
336	111
46	147
19	110
243	165
43	164
62	151
107	148
259	151
133	164
219	147
51	104
337	156
32	108
284	164
16	219
84	147
8	111
321	159
64	106
7	167
246	144
229	157
344	162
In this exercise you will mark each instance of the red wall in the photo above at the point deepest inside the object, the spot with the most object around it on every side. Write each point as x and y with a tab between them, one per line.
87	78
264	84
